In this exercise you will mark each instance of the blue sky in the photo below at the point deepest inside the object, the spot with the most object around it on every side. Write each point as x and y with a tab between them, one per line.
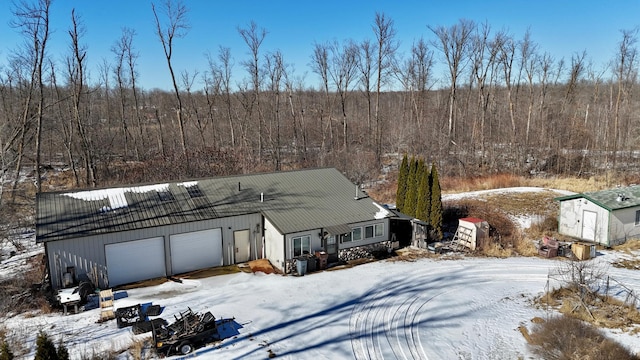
561	28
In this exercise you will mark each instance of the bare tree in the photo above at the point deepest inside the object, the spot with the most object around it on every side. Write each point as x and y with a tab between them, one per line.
507	57
320	65
530	62
131	56
275	68
119	49
485	50
226	67
253	37
188	79
625	66
176	26
342	72
213	91
387	45
366	68
454	43
76	66
33	21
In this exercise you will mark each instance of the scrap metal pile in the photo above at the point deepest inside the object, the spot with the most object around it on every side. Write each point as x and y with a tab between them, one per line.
189	331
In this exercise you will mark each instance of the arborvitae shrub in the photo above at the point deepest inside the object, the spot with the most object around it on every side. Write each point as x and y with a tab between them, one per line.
45	349
5	351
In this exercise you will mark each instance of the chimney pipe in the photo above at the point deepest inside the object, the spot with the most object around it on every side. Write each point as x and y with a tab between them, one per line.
239	186
357	193
261	197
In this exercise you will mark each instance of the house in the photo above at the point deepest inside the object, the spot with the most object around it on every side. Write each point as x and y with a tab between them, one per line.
608	217
115	236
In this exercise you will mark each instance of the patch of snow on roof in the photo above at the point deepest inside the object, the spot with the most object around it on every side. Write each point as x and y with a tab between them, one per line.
382	213
116	196
188	184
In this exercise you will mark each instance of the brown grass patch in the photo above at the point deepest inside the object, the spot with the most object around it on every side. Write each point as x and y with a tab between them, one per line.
600	310
214	271
629	246
23	293
141	284
261	265
458	184
497	181
524	203
568	338
633	264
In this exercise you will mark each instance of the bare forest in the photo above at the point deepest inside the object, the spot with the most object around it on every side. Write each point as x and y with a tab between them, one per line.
502	104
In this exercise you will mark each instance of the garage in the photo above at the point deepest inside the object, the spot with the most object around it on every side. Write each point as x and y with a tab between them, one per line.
196	250
133	261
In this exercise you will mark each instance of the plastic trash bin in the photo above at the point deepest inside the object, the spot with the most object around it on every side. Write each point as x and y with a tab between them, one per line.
301	266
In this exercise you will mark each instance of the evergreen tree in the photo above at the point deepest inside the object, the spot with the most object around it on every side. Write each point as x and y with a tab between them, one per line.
62	352
410	201
5	352
436	203
45	349
403	174
423	208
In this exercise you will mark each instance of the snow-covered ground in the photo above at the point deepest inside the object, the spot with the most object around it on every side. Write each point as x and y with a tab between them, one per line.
468	308
431	308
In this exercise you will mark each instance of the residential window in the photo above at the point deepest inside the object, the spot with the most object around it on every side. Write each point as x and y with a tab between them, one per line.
346	237
356	234
637	217
368	231
375	230
301	244
379	229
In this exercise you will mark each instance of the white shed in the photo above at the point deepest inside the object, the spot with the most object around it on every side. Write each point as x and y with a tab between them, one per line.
470	230
608	217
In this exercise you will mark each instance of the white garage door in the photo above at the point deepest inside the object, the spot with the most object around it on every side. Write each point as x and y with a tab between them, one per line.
196	250
135	260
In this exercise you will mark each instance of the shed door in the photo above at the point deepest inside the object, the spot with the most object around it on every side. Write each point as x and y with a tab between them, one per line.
589	225
241	242
196	250
133	261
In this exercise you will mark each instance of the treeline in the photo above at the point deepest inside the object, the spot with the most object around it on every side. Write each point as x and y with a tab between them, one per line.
505	105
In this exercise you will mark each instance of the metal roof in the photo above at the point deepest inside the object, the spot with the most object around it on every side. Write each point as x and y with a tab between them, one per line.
611	199
293	201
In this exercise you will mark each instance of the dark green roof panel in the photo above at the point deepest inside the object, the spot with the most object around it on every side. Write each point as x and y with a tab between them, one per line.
293	201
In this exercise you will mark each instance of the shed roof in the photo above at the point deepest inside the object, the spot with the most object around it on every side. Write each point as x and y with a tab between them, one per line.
610	199
473	220
293	201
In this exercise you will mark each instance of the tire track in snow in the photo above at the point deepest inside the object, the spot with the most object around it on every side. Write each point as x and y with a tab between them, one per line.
386	324
387	327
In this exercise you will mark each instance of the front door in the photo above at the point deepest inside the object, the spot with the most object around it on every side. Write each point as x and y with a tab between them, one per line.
331	247
242	246
589	225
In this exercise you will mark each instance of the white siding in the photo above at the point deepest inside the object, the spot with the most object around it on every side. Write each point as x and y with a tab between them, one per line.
87	254
314	235
571	218
375	239
274	245
623	227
